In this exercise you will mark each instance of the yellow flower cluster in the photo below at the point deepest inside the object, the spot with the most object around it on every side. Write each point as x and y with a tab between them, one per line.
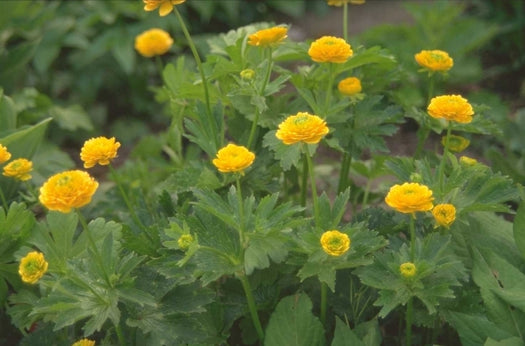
342	2
349	86
5	155
84	342
444	214
434	60
451	107
32	267
99	150
165	6
335	243
233	158
18	169
67	190
407	270
456	143
409	198
153	42
302	127
268	37
330	49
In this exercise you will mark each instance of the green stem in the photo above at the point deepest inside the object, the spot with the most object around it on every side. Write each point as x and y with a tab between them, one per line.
345	21
431	84
366	194
329	88
312	183
4	201
424	131
408	320
412	237
241	211
159	66
304	181
120	335
441	170
345	170
251	305
324	294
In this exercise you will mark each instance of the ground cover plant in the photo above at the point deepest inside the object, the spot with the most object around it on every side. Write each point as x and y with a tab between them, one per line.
259	201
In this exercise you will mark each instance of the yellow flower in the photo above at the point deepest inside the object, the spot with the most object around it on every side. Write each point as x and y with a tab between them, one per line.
407	269
302	127
67	190
468	161
185	241
32	267
233	158
247	74
153	42
434	60
330	49
4	154
99	150
335	243
444	214
268	37
451	107
349	86
409	198
84	342
342	2
165	6
19	169
456	143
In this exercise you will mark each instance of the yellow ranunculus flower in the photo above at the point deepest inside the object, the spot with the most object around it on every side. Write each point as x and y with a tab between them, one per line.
444	214
434	60
185	241
330	49
451	107
468	161
165	6
19	169
456	143
302	127
99	150
342	2
349	86
233	158
32	267
84	342
4	154
153	42
268	37
409	198
335	243
407	270
67	190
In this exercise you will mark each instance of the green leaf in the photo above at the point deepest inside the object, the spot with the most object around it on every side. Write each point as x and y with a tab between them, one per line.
344	336
519	228
292	323
8	113
473	330
287	155
516	341
72	118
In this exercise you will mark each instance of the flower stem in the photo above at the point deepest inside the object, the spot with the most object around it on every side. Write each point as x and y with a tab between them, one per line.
329	88
408	322
4	201
345	170
345	21
424	131
312	183
120	335
412	237
441	170
324	293
251	305
241	211
304	181
160	66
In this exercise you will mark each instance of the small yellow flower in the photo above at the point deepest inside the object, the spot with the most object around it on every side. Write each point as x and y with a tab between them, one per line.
409	198
444	214
468	161
451	107
99	150
434	60
84	342
233	158
19	169
349	86
247	74
330	49
4	154
32	267
302	127
165	6
342	2
268	37
407	270
456	143
185	241
153	42
335	243
67	190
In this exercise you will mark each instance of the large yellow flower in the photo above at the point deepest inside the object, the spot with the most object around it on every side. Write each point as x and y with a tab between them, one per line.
67	190
268	37
153	42
335	243
302	127
407	269
349	86
409	198
32	267
342	2
99	150
434	60
4	154
451	107
444	214
233	158
19	169
84	342
455	143
330	49
165	6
